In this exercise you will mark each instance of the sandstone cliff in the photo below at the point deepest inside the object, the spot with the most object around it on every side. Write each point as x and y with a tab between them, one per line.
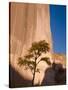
28	23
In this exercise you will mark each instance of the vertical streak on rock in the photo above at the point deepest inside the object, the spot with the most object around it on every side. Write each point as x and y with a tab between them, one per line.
29	23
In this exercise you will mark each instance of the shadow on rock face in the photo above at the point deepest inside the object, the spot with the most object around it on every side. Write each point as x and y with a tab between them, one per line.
55	75
60	76
49	77
15	80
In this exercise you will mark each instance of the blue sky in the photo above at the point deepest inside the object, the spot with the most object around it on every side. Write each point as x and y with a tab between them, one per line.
58	27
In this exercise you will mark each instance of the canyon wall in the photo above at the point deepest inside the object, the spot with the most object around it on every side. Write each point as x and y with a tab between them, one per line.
28	23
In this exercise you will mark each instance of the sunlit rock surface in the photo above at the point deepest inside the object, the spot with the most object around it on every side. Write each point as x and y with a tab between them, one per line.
59	59
28	23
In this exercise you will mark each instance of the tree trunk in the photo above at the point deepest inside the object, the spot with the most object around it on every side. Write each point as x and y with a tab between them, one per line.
33	77
34	72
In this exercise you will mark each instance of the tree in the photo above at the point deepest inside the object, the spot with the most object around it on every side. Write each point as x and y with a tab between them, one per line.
31	59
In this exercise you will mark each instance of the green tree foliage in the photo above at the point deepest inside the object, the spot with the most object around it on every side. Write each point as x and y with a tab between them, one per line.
30	60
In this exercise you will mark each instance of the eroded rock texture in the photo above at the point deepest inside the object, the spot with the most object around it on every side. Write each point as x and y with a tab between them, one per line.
28	23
